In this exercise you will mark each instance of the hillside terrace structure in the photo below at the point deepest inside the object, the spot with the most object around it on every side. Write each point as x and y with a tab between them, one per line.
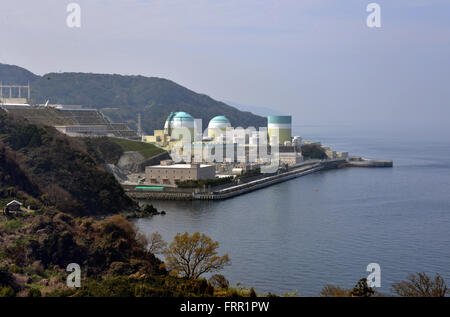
18	102
80	130
168	173
71	120
14	94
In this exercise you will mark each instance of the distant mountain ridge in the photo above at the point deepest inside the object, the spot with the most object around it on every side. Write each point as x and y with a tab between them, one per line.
122	98
15	75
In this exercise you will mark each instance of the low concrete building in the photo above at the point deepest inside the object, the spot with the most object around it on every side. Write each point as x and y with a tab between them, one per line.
81	130
343	155
237	171
330	153
290	155
291	158
169	174
159	137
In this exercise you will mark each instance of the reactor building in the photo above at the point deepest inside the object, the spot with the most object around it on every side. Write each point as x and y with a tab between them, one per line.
279	127
218	126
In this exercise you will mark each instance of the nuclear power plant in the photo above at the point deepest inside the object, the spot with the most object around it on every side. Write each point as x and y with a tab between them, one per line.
249	147
214	151
215	161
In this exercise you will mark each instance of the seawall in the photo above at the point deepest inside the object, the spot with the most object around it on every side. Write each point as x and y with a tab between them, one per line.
171	193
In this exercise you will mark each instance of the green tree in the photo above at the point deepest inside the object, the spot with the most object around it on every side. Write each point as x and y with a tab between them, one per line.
192	256
34	292
361	289
7	291
149	209
313	151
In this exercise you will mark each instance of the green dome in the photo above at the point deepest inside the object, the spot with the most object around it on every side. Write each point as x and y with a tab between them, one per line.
170	117
182	116
220	119
279	119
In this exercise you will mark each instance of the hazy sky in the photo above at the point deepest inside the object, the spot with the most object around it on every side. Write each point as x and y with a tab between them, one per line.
315	59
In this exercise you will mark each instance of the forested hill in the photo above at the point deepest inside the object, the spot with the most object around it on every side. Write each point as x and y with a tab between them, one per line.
123	97
12	75
43	167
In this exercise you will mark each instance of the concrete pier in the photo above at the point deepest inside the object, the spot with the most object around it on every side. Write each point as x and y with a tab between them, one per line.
364	162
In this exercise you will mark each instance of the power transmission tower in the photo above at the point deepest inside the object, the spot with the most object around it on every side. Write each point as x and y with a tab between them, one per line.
139	127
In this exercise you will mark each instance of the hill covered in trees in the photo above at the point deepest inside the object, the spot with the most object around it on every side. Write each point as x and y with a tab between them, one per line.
12	75
46	168
122	98
113	257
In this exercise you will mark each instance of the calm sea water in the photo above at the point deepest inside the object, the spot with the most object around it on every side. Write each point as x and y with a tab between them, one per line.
325	228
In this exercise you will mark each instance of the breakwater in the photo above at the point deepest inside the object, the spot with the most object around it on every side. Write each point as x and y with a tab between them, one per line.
364	162
173	193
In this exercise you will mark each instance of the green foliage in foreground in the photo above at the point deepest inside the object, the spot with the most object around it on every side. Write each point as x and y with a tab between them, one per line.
116	262
11	225
145	286
421	285
416	285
